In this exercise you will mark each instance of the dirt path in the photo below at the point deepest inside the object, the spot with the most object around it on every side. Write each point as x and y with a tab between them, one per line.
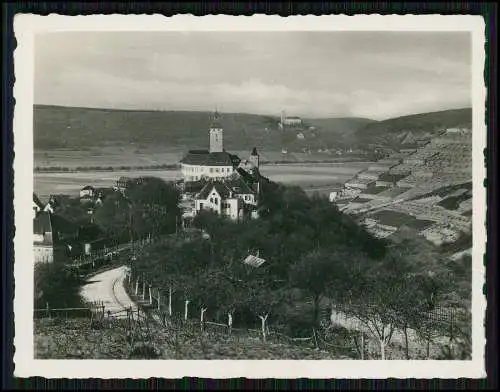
108	288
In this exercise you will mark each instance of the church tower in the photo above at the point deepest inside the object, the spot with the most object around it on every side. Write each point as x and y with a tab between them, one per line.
216	134
254	158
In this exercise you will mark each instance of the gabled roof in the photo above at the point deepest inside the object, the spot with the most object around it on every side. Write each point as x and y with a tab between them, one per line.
254	261
238	185
88	188
42	223
216	120
37	201
205	158
219	186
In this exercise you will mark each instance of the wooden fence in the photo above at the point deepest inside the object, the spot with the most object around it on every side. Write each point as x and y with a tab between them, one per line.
159	306
353	341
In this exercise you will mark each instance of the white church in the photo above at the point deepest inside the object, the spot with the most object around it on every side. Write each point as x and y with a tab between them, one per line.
213	163
232	185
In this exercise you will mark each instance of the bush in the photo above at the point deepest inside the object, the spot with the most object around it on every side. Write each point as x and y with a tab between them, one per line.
56	285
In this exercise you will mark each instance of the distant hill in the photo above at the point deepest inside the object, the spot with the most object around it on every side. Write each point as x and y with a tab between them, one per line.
57	127
396	131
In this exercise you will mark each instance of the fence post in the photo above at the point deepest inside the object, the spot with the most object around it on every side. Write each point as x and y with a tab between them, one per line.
136	286
170	301
186	303
143	290
202	316
48	309
315	338
150	295
362	346
158	300
229	322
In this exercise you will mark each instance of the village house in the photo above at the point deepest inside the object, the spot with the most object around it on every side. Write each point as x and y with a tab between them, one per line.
38	206
218	197
87	192
43	245
232	198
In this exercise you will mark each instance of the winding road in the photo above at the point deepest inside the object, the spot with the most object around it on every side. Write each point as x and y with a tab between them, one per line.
108	288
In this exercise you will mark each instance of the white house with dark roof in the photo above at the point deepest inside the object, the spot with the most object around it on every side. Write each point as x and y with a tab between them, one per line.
233	197
43	245
214	163
87	192
38	206
219	198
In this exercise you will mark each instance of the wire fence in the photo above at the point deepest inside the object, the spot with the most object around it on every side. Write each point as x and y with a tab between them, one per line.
344	334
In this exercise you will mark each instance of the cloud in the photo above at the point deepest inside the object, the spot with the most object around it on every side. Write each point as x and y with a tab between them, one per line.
377	75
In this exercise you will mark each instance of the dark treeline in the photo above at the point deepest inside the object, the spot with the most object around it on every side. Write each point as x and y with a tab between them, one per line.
149	207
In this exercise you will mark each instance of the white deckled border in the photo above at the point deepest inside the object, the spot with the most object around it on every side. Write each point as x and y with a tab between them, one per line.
26	26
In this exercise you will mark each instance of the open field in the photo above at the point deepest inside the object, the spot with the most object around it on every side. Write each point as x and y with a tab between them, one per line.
305	175
130	156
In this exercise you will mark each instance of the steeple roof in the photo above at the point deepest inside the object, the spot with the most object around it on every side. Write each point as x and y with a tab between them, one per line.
216	120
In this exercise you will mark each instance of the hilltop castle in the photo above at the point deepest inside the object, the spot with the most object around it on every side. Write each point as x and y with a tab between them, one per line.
229	186
215	163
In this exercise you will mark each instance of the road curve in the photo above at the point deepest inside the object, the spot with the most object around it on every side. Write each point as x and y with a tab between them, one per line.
108	288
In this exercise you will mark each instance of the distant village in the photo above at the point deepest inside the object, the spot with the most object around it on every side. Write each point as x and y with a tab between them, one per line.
411	187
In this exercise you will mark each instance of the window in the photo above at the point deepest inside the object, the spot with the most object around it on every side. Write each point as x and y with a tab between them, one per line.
217	170
201	206
211	170
216	201
211	200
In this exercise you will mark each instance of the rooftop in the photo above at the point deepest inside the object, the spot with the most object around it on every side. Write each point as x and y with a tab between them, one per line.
233	184
205	158
37	201
42	223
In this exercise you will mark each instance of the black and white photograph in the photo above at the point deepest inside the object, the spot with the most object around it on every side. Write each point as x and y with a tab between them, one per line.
280	190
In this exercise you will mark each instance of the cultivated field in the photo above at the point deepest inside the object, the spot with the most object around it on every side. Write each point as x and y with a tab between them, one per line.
306	175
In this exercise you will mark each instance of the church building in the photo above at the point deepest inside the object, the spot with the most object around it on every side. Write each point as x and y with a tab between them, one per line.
214	163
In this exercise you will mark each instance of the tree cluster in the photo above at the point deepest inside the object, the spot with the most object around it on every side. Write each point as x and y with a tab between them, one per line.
314	255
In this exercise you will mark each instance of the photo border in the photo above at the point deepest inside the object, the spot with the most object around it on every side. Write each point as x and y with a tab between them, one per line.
491	117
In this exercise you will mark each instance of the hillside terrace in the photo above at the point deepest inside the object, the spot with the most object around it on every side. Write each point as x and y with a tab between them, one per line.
440	234
398	219
434	213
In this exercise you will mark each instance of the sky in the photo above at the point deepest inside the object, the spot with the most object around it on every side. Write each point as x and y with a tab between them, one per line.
375	75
